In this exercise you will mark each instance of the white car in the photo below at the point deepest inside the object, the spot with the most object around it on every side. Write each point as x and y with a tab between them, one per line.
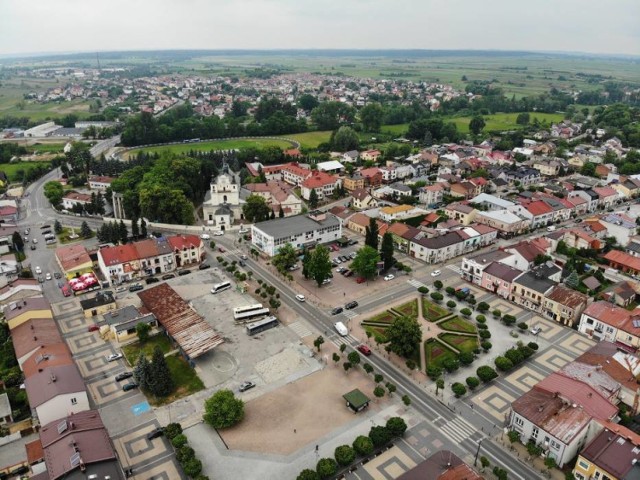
113	357
436	273
47	276
389	277
38	270
536	330
300	298
218	233
205	236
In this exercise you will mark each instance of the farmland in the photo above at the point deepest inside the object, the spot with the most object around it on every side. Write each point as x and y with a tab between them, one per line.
237	144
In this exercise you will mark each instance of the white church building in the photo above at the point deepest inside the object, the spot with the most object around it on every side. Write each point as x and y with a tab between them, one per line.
222	205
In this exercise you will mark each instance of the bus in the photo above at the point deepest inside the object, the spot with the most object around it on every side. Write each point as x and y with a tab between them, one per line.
249	312
261	325
219	287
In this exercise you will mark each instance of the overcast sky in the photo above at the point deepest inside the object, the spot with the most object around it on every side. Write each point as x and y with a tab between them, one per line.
610	26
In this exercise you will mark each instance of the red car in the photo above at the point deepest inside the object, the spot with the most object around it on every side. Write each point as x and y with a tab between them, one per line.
364	350
220	249
94	328
360	280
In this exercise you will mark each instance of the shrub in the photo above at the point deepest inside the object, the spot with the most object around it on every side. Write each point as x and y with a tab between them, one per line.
192	467
308	474
172	430
437	284
345	455
513	436
458	389
363	445
436	296
481	319
326	467
411	364
483	307
396	426
514	355
423	290
497	313
533	346
486	373
179	440
525	351
466	312
482	326
472	382
450	290
533	449
451	304
451	364
185	453
508	320
484	334
466	358
379	436
484	461
433	372
486	346
522	326
503	364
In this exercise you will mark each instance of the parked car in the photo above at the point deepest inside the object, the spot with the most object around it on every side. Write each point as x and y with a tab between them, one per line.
244	386
364	350
293	268
340	269
203	266
243	256
151	280
44	227
300	298
155	433
326	281
38	270
353	255
221	250
536	330
205	236
113	357
183	272
57	275
218	233
350	305
344	258
337	261
48	276
34	240
123	376
93	327
348	273
129	386
336	311
352	242
391	276
135	287
33	247
168	276
436	273
27	231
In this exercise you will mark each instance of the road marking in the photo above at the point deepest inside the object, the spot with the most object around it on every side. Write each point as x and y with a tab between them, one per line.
350	314
455	268
300	329
416	283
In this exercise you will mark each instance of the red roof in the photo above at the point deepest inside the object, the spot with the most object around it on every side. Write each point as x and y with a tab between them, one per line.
623	259
295	169
538	208
181	242
319	179
35	453
119	254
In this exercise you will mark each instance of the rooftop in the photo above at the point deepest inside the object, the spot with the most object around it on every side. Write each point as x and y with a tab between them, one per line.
567	296
296	225
53	381
99	300
71	257
34	333
26	305
52	355
615	449
502	271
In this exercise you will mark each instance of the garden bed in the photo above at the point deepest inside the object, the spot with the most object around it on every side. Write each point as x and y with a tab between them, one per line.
435	353
457	324
409	309
383	317
376	331
463	343
433	312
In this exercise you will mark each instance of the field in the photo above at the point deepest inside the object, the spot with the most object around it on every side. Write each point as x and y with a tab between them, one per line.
310	139
12	169
504	121
457	324
409	309
183	148
460	342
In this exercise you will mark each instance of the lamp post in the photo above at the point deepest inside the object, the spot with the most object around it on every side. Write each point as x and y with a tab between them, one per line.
475	460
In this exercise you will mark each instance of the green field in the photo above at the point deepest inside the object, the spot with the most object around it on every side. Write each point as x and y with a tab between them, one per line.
46	147
310	139
432	311
435	353
133	350
182	148
504	121
12	169
457	324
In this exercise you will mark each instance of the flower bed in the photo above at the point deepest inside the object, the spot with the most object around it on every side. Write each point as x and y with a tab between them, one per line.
435	353
383	317
433	312
409	309
463	343
457	324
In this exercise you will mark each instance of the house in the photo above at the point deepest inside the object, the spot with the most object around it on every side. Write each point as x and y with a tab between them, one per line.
354	182
332	166
362	199
122	322
605	321
623	293
78	446
530	288
564	305
437	249
52	355
389	174
74	260
294	174
472	268
539	213
100	183
432	195
8	213
607	196
498	278
17	313
55	390
623	261
507	223
359	223
524	254
477	236
19	289
33	335
188	250
350	157
6	237
462	189
547	167
323	183
98	305
6	415
72	199
442	465
400	190
370	155
578	238
402	234
300	231
400	212
612	454
460	212
119	264
277	194
372	176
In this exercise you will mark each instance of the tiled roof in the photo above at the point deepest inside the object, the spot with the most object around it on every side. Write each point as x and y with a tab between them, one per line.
72	256
616	450
146	248
623	259
180	242
79	197
442	241
118	254
34	333
527	249
502	271
319	179
538	208
52	355
41	386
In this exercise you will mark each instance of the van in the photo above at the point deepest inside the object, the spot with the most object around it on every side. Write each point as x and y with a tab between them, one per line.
551	228
341	329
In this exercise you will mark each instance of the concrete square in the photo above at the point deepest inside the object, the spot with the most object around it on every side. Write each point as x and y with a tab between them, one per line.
524	378
553	360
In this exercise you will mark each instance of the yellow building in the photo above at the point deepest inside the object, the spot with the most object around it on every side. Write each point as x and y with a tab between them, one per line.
98	305
74	260
564	305
122	323
461	213
27	309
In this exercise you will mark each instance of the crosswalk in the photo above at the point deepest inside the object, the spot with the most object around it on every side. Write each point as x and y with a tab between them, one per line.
416	283
348	340
300	329
350	314
457	429
455	268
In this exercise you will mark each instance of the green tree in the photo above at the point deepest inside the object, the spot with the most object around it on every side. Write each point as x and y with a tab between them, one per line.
135	230
503	364
318	342
406	400
143	228
307	265
396	426
371	117
285	258
123	234
329	115
486	373
18	242
404	336
142	372
354	358
160	381
307	102
391	388
386	251
345	455
365	263
223	409
280	212
345	139
85	231
326	467
367	368
172	429
336	358
573	280
363	445
472	382
371	234
54	192
57	227
320	267
347	366
378	391
308	474
313	199
439	385
523	118
588	169
379	436
192	467
476	124
256	209
142	330
458	389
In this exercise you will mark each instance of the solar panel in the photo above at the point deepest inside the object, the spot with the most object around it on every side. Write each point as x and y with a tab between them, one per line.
75	459
62	426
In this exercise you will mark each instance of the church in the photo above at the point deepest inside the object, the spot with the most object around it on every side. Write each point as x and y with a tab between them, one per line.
222	205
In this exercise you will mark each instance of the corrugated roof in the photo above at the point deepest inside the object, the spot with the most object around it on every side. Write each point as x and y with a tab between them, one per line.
567	297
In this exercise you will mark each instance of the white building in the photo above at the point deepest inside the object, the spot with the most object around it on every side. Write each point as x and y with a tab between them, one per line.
222	205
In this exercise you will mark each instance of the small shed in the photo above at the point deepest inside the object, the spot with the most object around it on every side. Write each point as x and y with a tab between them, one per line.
356	400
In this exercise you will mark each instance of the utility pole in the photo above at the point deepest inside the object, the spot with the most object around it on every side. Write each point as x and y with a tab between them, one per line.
475	460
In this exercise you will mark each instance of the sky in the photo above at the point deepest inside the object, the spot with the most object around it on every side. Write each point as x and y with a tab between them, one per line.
38	26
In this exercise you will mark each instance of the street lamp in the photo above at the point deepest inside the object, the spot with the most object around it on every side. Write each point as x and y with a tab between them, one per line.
475	460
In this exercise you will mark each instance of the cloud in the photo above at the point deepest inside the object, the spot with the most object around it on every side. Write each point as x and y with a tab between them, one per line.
80	25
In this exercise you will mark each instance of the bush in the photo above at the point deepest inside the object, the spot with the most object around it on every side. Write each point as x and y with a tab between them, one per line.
437	284
514	355
466	312
525	351
411	364
192	467
450	290
483	307
363	445
179	440
423	290
345	455
396	426
508	320
533	346
481	319
379	436
486	373
172	430
308	474
185	453
503	364
482	326
458	389
522	326
486	346
451	364
451	304
484	334
472	382
497	313
436	297
466	358
433	372
326	467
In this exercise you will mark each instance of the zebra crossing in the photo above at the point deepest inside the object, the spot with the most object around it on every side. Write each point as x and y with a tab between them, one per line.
349	341
350	314
455	268
416	283
457	429
301	329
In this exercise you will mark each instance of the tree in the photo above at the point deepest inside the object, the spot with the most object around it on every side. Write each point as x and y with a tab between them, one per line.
363	445
142	372
307	102
458	389
439	385
378	378
280	212
256	209
347	366
371	234
345	455
318	342
18	242
523	118
503	364
354	358
286	258
160	381
404	336
54	193
437	284
378	391
272	216
386	251
476	124
313	199
436	296
391	388
573	280
367	368
336	358
223	409
57	227
320	266
423	290
343	347
308	474
143	228
486	373
326	467
179	440
365	263
371	117
329	115
345	139
142	330
85	231
123	234
306	265
472	382
396	426
406	400
172	429
379	436
135	230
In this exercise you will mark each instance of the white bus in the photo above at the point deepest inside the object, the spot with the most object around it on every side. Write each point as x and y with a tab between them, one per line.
219	287
249	312
262	325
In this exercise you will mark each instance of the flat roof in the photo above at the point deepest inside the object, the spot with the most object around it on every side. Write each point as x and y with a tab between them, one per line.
356	398
295	225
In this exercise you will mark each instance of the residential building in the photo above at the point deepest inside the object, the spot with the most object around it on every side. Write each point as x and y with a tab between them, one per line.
71	199
52	355
623	261
119	264
402	234
578	238
442	465
529	289
323	183
547	167
399	190
472	267
222	205
294	174
605	321
34	335
54	390
477	236
389	174
465	190
524	254
19	289
277	194
101	303
188	250
396	212
362	199
354	182
437	249
15	314
359	223
432	195
300	232
461	212
100	183
370	155
623	293
372	176
74	260
564	305
351	156
607	196
122	322
507	223
498	278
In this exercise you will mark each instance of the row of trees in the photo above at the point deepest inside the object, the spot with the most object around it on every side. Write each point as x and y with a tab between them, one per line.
185	455
154	377
113	232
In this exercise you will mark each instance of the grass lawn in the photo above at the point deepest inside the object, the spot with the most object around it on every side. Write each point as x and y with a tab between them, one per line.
435	353
46	147
457	324
185	379
383	317
68	232
12	169
432	311
409	309
460	342
399	129
379	332
310	139
183	148
132	351
503	121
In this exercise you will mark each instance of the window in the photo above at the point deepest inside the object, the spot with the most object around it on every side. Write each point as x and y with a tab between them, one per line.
519	421
74	401
584	465
534	433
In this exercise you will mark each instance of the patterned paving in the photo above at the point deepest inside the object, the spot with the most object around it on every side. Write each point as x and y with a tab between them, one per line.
106	390
85	342
495	402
